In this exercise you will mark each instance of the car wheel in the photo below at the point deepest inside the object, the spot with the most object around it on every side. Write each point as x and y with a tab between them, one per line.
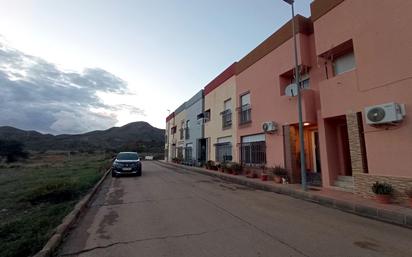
113	174
139	174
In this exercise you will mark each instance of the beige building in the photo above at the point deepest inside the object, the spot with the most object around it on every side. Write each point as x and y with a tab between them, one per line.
220	119
178	144
170	137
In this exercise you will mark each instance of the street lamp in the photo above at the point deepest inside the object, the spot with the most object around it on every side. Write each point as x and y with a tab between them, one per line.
297	80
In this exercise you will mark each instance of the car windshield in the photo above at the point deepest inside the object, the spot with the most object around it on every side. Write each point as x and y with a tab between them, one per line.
127	156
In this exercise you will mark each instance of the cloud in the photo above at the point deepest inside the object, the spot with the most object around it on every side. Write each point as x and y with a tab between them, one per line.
37	95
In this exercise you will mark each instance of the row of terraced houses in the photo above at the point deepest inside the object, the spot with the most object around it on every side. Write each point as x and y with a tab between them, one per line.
355	62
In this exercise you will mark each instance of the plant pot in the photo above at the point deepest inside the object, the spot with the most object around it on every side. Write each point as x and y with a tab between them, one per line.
230	171
384	199
264	177
278	179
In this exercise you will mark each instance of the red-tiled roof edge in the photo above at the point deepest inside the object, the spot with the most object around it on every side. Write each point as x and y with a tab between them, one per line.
170	116
221	78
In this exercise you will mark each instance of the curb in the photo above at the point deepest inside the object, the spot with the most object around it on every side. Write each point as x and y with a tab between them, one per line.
68	221
401	218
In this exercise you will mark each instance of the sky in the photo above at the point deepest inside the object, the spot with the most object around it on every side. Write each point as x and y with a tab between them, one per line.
80	65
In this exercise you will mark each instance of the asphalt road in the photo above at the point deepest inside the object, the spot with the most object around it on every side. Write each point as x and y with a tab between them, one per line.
175	213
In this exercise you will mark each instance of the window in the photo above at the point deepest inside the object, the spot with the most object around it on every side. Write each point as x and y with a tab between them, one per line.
344	63
187	131
245	110
207	115
227	114
181	130
223	149
173	130
188	153
253	150
180	153
304	81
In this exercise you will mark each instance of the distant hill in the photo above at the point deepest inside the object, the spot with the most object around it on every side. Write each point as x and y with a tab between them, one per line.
139	136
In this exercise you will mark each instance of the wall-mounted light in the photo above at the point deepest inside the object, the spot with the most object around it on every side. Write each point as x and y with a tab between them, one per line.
306	124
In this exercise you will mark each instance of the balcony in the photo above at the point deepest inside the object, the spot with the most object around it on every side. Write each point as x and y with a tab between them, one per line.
339	94
289	107
245	114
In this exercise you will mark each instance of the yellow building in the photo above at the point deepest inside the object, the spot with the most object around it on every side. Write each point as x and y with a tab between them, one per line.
220	119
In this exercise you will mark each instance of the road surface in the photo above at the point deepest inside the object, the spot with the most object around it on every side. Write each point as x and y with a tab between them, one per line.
170	212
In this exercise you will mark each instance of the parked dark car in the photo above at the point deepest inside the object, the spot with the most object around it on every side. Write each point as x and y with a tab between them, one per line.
127	163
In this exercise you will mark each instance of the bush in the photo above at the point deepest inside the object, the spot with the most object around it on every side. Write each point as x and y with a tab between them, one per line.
209	164
380	188
12	150
279	171
236	167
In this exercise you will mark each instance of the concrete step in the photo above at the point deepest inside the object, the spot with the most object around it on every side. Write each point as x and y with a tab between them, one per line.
349	190
340	183
345	178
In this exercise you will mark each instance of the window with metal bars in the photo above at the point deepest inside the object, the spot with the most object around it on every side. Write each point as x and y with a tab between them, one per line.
253	153
223	152
226	119
188	154
245	114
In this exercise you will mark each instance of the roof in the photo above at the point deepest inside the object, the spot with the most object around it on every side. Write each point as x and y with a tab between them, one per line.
221	78
318	8
197	97
171	116
304	25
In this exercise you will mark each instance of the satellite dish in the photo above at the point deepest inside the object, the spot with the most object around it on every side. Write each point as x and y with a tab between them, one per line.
291	90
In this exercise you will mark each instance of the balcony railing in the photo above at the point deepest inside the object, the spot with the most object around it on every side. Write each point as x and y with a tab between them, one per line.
245	114
226	119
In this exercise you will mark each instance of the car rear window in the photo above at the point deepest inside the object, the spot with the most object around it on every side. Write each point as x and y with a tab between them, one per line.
127	156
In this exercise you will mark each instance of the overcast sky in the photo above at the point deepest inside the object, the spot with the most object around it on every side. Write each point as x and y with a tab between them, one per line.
70	66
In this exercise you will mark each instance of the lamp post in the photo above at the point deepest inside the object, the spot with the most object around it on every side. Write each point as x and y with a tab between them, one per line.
297	80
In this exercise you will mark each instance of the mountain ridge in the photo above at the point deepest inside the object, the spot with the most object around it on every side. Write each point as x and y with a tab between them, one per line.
139	136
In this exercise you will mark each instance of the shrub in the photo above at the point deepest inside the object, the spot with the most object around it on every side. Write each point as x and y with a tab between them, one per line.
210	164
236	167
279	171
380	188
12	150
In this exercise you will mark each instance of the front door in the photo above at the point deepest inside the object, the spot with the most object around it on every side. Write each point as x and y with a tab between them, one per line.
316	152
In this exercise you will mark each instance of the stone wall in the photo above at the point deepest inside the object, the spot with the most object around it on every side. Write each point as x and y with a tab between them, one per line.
364	182
355	143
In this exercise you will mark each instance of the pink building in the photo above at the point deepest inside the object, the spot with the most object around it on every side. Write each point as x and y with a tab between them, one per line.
354	58
355	61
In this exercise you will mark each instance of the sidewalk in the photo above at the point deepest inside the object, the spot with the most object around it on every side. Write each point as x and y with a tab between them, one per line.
343	201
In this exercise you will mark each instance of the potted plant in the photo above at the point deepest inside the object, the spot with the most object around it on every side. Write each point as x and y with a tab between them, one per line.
252	174
236	167
209	164
409	194
383	192
263	175
220	167
228	168
278	173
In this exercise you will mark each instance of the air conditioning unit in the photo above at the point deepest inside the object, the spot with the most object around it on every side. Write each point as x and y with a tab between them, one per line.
388	113
269	127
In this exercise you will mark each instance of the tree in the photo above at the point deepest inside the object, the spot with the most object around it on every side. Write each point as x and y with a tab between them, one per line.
12	150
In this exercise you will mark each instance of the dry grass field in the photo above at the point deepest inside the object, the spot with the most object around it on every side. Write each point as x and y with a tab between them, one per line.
36	194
